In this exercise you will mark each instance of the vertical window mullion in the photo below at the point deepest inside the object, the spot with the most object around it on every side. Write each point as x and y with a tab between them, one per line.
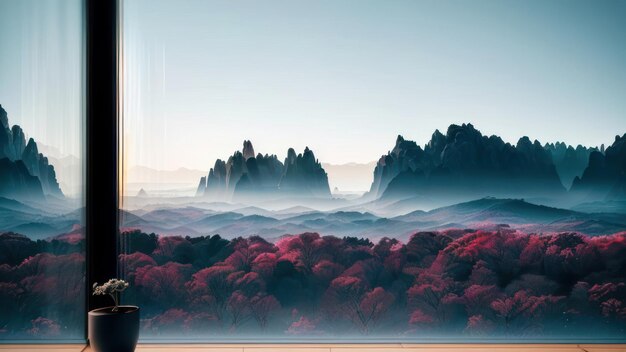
102	122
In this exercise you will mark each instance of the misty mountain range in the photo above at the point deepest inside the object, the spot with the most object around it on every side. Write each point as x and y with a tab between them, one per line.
486	213
468	180
457	166
24	172
604	177
463	164
488	182
246	176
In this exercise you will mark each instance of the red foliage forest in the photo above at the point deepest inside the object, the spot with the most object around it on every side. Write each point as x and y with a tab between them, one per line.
469	284
39	285
466	284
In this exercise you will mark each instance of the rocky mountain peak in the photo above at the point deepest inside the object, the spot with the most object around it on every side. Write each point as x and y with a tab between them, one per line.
31	148
4	118
462	132
248	150
26	172
246	176
19	140
605	176
291	156
466	161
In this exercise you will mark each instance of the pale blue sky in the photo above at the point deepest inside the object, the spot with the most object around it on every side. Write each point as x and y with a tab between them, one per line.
42	79
41	70
346	76
343	77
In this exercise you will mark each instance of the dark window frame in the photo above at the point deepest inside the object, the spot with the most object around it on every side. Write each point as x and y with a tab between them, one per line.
101	213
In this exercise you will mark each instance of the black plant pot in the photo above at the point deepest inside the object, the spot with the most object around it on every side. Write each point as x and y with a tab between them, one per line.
111	331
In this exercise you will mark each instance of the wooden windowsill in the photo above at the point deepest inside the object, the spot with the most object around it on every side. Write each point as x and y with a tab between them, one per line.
333	348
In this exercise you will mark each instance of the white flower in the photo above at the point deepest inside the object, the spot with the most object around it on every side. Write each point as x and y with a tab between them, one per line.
112	288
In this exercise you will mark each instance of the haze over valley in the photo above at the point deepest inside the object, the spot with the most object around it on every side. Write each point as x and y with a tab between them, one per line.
460	179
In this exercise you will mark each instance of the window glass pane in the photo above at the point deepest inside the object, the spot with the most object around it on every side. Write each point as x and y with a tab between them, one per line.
359	171
42	252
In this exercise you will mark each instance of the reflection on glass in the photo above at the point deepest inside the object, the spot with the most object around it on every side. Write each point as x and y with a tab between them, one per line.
268	195
42	252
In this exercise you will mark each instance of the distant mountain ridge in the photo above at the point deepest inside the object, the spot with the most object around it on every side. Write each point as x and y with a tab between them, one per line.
459	165
24	172
570	162
604	177
485	213
464	162
245	176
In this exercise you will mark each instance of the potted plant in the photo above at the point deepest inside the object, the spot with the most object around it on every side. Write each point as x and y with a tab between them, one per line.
115	328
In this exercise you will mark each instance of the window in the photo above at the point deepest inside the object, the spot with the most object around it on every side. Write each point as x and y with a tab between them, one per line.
42	239
268	195
351	171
